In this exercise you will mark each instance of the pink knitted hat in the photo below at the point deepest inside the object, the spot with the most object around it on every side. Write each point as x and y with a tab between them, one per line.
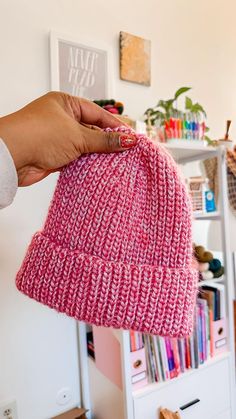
116	248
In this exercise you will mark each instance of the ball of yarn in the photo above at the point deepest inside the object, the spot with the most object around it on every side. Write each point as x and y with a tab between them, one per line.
214	265
114	111
207	275
120	107
200	278
219	272
111	105
203	255
107	107
194	263
202	267
104	102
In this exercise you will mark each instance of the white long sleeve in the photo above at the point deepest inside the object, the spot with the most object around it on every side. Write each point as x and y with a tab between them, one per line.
8	176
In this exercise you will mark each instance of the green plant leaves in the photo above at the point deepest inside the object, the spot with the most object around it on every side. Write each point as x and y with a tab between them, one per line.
188	103
181	91
199	109
165	104
154	115
194	107
210	142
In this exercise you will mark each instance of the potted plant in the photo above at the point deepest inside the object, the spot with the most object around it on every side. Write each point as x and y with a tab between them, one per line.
165	110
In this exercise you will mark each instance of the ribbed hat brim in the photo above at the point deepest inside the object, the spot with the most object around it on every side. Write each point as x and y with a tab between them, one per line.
156	300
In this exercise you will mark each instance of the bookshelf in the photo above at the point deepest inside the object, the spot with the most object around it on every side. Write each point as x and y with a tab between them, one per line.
209	281
209	390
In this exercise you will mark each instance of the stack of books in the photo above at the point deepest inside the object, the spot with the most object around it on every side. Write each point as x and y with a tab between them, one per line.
166	358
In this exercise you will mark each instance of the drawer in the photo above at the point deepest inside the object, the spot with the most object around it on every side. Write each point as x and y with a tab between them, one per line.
210	384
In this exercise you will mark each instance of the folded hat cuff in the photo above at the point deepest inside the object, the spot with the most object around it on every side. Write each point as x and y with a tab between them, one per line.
151	299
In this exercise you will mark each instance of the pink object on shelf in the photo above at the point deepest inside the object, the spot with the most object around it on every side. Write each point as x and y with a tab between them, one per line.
107	354
220	338
116	248
138	368
108	359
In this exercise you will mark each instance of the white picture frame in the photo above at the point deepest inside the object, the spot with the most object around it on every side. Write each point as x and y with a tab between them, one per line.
80	67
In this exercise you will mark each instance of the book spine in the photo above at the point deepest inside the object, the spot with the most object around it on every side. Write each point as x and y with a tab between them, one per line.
207	332
157	358
160	357
164	358
154	360
218	303
174	344
196	348
203	322
149	373
211	333
152	364
170	358
132	341
187	353
140	335
181	354
192	357
199	335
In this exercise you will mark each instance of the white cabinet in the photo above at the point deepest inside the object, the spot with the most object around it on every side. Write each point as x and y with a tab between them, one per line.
202	394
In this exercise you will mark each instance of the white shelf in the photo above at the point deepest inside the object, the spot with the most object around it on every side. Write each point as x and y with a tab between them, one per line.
188	151
211	281
214	215
149	388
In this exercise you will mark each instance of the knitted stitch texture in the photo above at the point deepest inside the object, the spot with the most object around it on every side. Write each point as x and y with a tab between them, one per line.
116	248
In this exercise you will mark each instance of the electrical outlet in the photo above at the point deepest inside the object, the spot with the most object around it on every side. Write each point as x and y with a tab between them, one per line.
8	410
63	396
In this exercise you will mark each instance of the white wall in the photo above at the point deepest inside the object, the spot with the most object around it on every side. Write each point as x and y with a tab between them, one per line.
193	43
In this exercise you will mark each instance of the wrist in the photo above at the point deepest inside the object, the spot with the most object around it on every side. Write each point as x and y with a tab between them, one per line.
8	176
10	136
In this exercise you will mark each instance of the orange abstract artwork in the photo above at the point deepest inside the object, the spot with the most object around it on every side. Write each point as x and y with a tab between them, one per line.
135	56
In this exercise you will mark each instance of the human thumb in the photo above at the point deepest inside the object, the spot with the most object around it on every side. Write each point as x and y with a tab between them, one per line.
98	141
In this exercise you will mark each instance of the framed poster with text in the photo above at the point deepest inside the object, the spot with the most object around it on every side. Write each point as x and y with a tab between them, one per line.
78	69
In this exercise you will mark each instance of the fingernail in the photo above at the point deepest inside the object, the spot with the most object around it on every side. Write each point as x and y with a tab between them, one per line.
127	141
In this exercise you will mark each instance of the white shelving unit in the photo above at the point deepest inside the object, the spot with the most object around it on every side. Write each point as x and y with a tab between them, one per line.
212	384
207	216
